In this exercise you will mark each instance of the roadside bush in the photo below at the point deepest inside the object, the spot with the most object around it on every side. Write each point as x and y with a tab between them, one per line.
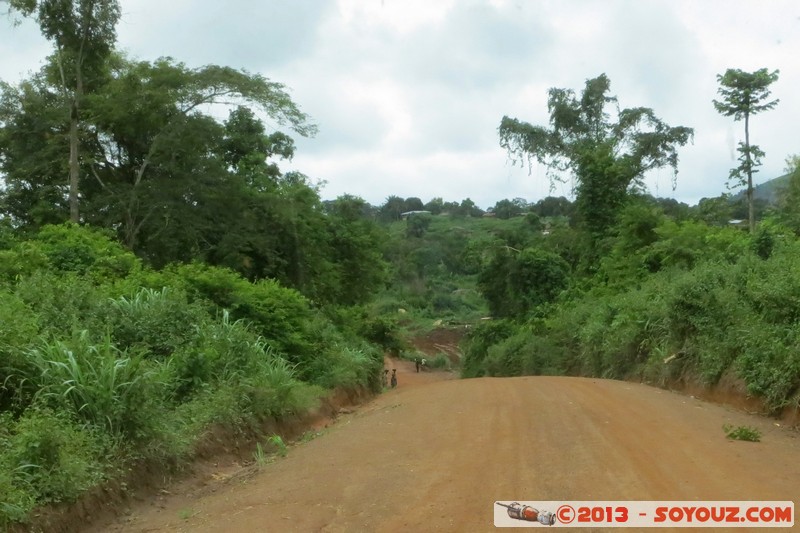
19	328
524	354
49	458
240	402
440	362
223	350
383	332
348	367
477	342
276	313
21	261
694	304
98	383
769	362
273	391
772	287
85	250
154	322
62	303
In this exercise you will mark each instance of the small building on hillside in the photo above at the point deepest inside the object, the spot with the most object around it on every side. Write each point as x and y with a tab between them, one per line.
412	213
736	223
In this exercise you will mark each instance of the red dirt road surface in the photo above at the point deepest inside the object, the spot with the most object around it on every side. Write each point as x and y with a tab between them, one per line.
436	453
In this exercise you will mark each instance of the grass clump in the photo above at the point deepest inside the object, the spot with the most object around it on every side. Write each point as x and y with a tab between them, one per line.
747	433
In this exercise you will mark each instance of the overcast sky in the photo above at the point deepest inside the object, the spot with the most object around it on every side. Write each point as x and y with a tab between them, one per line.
408	94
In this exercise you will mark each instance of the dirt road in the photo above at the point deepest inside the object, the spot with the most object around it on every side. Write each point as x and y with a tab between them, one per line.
436	453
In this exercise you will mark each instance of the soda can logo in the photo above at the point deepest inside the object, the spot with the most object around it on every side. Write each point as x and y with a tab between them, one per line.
528	513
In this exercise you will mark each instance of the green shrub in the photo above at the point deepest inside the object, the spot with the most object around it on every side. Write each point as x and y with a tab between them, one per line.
21	261
763	243
19	329
769	362
50	457
63	303
477	342
240	402
100	384
523	354
278	314
273	391
742	433
441	362
84	250
383	331
221	350
348	367
17	497
158	322
515	283
772	287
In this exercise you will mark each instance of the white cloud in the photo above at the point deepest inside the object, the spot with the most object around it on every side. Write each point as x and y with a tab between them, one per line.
408	94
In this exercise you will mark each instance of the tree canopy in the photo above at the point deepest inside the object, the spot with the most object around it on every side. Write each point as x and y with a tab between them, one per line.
743	94
608	156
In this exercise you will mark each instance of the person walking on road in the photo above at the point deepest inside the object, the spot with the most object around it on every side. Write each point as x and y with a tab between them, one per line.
416	363
394	377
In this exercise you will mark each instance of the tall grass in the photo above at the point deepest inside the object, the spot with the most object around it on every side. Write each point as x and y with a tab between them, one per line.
100	384
45	456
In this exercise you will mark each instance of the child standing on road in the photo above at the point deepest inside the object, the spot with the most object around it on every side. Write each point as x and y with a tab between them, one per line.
394	377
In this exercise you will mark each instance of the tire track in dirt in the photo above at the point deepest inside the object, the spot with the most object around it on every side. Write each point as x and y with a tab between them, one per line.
434	455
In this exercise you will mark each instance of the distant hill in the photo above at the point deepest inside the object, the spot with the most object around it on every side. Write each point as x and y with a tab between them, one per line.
769	190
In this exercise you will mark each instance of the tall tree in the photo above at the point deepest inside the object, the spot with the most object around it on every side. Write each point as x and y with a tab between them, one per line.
391	210
356	244
154	136
607	159
515	282
173	181
33	140
83	33
744	94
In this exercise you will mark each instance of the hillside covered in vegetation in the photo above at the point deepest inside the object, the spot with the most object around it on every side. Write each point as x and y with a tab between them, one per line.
162	278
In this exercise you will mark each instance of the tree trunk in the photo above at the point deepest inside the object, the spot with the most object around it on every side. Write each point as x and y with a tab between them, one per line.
74	214
751	211
74	168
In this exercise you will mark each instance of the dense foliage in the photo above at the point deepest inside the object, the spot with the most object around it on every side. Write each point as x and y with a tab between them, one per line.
104	361
161	277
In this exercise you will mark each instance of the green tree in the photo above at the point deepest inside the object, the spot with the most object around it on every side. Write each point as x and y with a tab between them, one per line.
514	282
391	210
417	224
715	211
789	199
435	206
355	242
468	208
450	208
607	158
33	140
744	94
553	207
163	172
83	33
505	209
413	204
155	139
